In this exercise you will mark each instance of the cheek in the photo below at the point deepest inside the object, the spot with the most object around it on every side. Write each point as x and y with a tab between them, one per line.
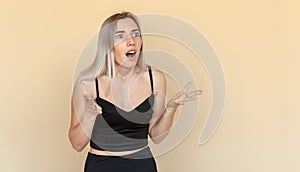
139	43
118	51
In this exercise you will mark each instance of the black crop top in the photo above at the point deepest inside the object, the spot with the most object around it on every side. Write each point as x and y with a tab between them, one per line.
119	130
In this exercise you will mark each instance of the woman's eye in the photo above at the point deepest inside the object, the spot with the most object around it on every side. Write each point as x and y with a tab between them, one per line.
120	36
136	34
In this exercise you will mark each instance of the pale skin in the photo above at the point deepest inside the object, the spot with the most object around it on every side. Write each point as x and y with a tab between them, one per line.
126	84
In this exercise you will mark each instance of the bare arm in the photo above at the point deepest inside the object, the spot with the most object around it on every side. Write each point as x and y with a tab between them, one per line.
83	113
156	128
162	120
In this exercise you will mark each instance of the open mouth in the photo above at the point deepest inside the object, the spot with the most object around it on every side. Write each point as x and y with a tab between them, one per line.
130	53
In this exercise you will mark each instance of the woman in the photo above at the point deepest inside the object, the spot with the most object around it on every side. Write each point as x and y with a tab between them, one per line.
119	101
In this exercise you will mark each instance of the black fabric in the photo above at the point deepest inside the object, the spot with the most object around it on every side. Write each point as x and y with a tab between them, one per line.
119	130
129	163
150	76
151	80
97	89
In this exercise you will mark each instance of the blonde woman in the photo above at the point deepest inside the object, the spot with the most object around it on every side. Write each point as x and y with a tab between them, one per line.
119	101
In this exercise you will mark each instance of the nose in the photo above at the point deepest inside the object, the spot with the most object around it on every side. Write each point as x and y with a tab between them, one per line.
130	42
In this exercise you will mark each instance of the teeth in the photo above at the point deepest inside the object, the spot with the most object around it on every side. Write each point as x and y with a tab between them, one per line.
131	53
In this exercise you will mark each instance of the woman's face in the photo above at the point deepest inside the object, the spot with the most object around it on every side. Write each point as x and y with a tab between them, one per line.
127	43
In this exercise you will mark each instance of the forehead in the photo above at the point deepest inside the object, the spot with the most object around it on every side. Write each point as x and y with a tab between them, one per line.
126	24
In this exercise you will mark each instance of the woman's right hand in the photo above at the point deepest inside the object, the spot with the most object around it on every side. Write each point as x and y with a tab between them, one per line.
84	111
92	109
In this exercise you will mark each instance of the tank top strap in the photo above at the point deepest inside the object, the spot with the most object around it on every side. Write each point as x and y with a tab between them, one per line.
151	79
97	89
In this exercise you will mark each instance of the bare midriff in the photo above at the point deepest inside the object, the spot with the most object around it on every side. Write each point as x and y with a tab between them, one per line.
109	153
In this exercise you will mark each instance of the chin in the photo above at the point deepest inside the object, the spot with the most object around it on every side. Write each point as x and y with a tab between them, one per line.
127	64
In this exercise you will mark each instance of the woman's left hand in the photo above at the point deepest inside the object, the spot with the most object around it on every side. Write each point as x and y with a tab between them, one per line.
182	97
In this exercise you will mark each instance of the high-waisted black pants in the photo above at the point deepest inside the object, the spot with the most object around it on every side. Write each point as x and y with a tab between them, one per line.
141	161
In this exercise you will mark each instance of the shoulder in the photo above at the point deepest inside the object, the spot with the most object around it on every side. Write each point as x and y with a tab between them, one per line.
159	79
158	75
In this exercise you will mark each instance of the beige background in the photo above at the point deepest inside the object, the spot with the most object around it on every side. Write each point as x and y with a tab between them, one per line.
256	41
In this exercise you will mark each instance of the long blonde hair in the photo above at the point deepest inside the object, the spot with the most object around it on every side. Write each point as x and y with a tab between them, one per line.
104	62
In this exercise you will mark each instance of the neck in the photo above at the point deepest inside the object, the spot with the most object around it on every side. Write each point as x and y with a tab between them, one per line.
124	73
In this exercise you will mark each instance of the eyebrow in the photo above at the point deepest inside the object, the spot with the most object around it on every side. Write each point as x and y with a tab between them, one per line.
122	31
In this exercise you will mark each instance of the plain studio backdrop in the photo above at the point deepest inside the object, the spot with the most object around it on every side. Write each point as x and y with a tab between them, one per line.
255	40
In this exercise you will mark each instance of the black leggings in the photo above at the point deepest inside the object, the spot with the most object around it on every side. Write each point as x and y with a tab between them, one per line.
141	161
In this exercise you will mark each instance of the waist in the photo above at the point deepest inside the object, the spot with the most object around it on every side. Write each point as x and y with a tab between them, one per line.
112	153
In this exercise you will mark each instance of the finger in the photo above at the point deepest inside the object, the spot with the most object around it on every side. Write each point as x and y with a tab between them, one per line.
187	86
98	109
87	98
183	91
179	102
89	101
199	91
189	99
192	97
178	94
194	93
